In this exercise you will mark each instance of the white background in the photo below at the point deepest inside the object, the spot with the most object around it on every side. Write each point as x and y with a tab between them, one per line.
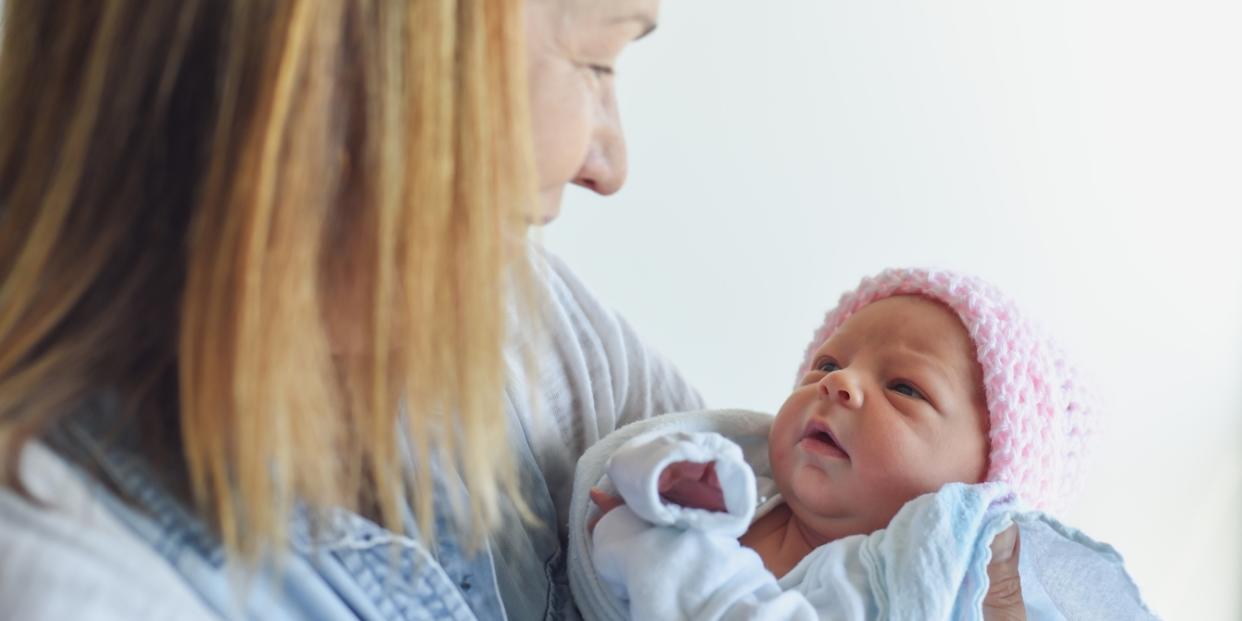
1085	155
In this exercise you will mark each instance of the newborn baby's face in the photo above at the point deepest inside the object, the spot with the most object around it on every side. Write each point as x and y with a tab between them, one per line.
892	408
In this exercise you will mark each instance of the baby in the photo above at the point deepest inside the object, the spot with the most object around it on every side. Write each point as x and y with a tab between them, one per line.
917	379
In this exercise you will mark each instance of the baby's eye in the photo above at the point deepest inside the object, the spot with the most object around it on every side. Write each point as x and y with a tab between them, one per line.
827	366
906	389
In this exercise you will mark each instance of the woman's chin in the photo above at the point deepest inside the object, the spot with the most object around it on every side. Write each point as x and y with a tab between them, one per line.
541	219
549	207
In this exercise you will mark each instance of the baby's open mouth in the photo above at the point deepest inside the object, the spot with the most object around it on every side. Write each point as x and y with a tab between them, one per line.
818	438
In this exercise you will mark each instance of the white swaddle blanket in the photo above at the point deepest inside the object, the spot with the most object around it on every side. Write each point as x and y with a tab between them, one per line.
657	561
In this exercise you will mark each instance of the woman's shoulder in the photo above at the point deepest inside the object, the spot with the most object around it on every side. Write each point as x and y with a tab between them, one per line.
66	556
565	290
591	340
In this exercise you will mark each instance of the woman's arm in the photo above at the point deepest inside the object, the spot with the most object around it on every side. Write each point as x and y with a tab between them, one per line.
67	557
591	374
628	380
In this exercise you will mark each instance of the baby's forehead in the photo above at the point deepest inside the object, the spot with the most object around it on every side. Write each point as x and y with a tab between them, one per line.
918	325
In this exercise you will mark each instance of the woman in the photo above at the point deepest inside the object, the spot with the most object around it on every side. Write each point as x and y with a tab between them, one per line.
262	321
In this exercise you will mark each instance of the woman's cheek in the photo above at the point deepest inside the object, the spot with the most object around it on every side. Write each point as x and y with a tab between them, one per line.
562	132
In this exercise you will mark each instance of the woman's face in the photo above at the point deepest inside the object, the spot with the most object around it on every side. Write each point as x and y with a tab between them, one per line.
573	50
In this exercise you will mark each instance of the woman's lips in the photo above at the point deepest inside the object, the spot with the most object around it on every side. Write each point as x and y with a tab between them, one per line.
819	439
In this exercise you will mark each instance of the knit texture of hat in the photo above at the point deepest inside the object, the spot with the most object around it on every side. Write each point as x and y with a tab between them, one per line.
1040	414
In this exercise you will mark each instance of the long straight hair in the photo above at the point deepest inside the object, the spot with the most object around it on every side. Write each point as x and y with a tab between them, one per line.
202	200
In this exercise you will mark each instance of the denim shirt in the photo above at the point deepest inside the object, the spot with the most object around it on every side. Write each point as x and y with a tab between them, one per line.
353	569
590	375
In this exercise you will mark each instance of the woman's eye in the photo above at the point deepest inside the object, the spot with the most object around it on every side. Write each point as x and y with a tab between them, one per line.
827	366
601	70
907	390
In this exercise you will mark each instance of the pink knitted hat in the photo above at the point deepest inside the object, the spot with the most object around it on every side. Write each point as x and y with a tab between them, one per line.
1040	414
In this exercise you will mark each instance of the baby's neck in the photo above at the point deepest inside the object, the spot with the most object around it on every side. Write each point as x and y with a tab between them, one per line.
781	540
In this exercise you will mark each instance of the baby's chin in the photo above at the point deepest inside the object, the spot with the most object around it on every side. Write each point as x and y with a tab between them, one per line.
827	528
826	518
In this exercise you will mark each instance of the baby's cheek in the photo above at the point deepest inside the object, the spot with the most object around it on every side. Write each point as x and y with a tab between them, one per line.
786	428
902	472
779	448
882	497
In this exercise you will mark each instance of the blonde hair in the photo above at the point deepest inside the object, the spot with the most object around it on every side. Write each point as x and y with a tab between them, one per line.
198	197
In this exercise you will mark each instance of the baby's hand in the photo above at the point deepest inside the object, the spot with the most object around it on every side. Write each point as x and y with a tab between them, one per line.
692	485
685	483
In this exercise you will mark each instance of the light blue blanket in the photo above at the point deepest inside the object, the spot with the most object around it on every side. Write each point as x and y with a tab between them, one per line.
929	563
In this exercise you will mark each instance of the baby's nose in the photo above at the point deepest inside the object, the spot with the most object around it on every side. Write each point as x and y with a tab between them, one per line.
840	386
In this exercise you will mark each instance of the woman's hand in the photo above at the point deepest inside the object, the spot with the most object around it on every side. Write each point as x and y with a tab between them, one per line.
1003	601
606	502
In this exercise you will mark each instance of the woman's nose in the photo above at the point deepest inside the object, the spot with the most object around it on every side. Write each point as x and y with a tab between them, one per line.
842	387
605	167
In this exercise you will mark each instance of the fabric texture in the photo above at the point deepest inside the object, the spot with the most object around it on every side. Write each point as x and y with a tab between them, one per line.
104	559
747	429
929	563
74	545
1040	412
635	470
